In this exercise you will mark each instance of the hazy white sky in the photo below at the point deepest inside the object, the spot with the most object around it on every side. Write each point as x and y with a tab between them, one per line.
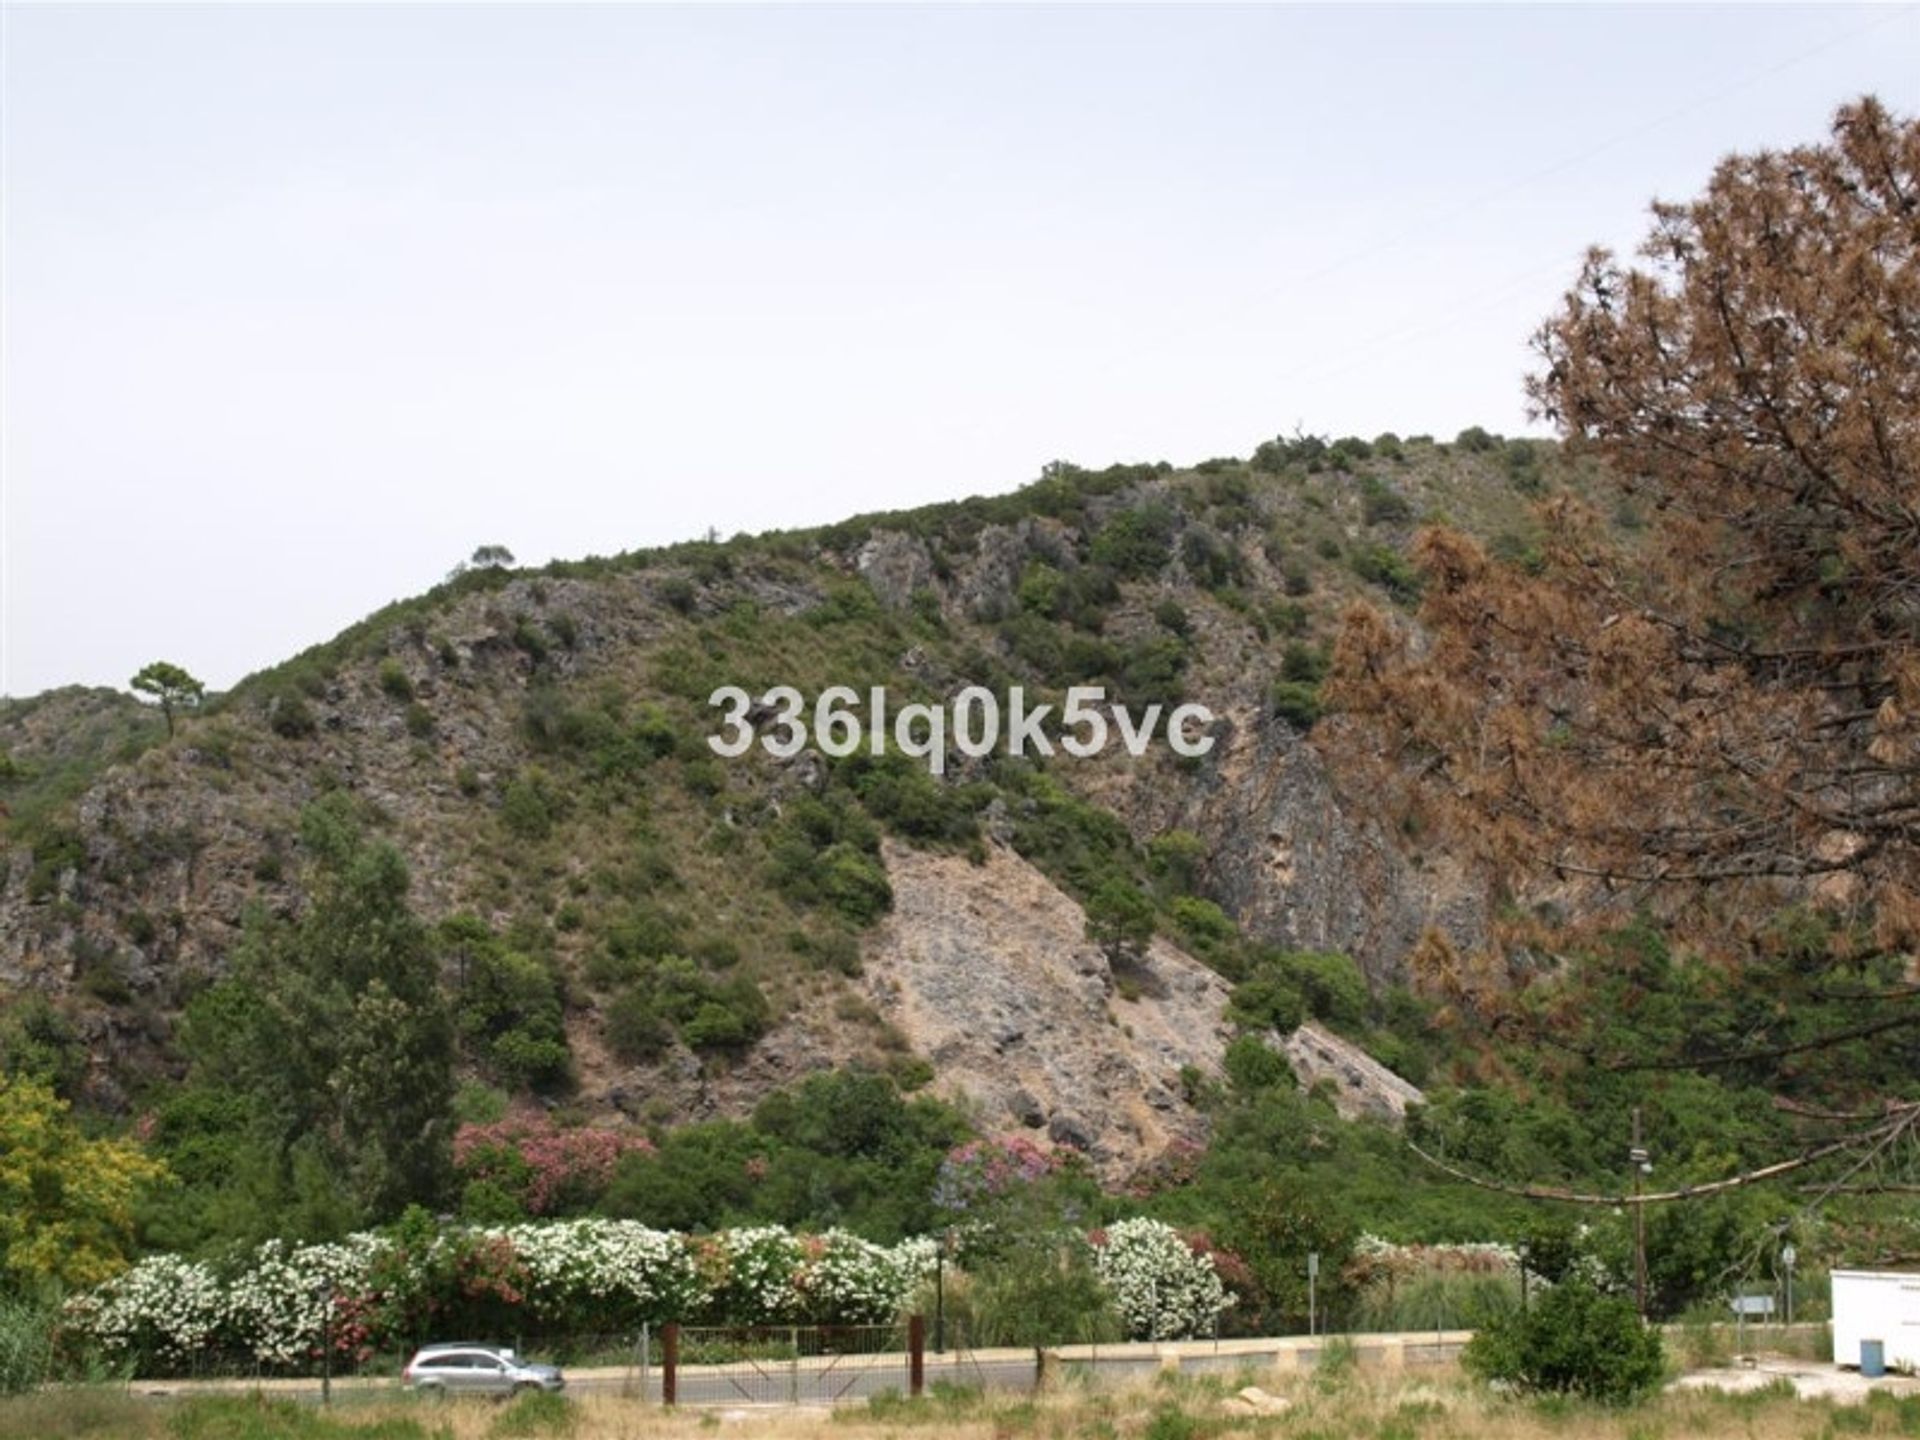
301	304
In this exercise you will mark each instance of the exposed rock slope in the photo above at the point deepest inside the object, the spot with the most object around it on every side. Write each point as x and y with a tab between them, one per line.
986	969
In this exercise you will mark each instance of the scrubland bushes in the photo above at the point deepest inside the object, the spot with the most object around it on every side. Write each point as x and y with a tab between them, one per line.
1572	1340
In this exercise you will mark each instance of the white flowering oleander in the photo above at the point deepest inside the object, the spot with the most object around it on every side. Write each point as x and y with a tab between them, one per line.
271	1306
756	1272
277	1306
917	1256
1162	1289
165	1307
617	1270
850	1281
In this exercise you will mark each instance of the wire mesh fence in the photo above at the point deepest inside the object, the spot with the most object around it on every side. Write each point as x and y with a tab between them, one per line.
784	1364
824	1366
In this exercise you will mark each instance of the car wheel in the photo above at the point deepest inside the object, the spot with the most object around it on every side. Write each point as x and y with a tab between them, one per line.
525	1386
435	1393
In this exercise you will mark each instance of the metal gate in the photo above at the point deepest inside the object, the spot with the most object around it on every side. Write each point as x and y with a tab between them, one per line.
790	1364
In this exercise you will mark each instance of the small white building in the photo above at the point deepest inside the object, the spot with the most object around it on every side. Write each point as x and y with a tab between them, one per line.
1881	1305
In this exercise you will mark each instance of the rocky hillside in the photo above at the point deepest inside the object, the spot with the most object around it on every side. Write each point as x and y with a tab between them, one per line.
699	930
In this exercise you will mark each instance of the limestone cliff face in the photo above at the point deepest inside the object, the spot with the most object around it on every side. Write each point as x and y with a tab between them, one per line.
987	970
1299	866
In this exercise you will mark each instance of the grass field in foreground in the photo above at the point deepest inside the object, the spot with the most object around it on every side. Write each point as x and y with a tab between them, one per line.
1340	1407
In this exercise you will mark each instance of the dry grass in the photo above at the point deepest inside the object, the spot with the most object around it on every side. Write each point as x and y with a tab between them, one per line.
1360	1406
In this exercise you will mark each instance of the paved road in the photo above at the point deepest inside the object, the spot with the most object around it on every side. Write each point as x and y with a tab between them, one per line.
813	1382
828	1380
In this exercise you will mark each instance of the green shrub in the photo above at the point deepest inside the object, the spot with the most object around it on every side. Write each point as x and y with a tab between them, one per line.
289	717
1203	924
526	808
1042	590
678	593
54	853
1212	563
1522	461
1136	543
1517	551
636	1030
1572	1340
1386	567
1331	984
901	794
1149	672
38	1040
1253	1065
394	681
1175	858
719	1026
853	884
1288	986
1297	703
826	853
1304	662
846	603
528	639
1381	505
1270	999
655	733
1437	1299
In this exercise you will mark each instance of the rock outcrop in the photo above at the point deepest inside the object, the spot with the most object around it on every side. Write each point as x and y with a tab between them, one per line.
1363	1088
987	970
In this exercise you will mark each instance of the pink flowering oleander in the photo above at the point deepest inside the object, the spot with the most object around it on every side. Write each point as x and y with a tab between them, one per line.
560	1161
983	1168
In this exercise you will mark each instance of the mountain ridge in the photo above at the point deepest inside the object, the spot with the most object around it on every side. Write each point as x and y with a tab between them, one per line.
533	744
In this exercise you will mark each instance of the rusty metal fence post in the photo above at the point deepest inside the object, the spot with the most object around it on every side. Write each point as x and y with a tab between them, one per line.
916	1354
670	1365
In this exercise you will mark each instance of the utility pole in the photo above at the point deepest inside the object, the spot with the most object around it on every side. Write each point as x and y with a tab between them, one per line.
1313	1288
1637	1161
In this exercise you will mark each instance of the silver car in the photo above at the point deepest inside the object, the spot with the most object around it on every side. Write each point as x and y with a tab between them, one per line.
469	1368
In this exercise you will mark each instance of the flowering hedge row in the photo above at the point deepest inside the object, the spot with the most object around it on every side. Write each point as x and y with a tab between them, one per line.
275	1307
379	1293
